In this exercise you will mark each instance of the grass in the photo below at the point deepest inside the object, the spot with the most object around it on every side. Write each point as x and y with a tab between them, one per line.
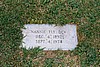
15	13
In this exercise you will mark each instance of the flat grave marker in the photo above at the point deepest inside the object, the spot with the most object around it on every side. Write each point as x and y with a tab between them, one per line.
50	37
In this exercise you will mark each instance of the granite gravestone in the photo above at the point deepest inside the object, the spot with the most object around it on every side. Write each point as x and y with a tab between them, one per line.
50	37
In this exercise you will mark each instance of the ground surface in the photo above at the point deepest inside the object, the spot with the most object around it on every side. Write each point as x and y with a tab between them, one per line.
15	13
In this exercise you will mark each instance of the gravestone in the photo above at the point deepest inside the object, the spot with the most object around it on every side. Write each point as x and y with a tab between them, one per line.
49	37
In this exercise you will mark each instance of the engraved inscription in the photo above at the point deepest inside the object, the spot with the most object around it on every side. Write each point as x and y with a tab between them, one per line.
54	36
